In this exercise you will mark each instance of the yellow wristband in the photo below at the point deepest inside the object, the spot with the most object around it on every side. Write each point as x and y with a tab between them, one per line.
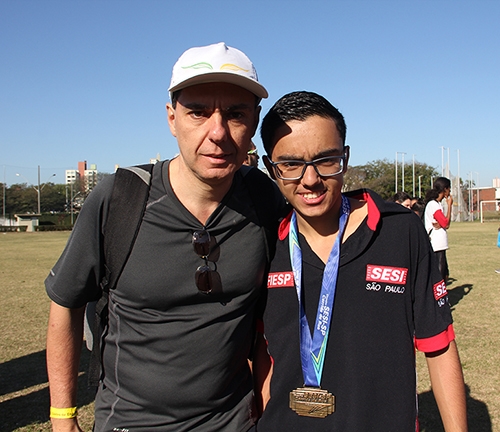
62	413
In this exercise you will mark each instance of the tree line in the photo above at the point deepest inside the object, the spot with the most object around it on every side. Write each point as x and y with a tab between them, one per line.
22	198
378	175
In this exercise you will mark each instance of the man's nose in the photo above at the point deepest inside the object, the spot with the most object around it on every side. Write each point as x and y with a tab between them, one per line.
218	127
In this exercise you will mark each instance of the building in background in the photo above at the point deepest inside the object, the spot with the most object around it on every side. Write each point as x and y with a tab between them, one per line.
155	160
151	161
71	176
90	178
86	178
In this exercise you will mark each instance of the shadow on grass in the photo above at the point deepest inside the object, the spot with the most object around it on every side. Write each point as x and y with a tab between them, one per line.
478	416
455	294
28	371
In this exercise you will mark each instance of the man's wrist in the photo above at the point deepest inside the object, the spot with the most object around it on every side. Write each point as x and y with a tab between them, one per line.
63	413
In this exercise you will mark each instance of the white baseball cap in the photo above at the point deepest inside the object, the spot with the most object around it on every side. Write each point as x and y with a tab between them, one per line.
215	63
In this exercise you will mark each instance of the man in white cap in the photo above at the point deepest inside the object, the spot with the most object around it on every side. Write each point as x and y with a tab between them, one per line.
182	314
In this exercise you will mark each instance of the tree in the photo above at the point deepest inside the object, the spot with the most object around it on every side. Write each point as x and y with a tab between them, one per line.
23	198
379	175
53	198
20	198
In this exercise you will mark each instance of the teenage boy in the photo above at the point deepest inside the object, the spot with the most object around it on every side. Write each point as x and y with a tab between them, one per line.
353	289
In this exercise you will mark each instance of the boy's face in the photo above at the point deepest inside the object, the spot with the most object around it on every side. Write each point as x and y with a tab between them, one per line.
314	197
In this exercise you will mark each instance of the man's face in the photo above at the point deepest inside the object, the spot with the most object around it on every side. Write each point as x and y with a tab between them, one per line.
213	124
313	197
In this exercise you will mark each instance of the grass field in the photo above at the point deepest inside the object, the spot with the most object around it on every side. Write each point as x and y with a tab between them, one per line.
26	258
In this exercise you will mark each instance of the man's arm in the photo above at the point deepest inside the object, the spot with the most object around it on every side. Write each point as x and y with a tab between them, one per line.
64	344
447	383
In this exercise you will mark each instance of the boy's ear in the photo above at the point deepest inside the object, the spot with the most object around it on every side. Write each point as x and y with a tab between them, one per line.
347	150
269	167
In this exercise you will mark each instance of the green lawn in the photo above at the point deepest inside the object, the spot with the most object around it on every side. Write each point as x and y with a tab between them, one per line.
26	258
473	257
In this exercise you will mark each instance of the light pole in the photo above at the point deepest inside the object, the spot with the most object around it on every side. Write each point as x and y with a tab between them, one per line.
471	204
73	196
420	186
459	190
396	174
442	161
4	196
37	189
448	165
413	176
478	194
403	171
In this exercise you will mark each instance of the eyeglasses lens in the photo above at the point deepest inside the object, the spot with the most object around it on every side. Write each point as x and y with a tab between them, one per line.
201	243
294	170
207	280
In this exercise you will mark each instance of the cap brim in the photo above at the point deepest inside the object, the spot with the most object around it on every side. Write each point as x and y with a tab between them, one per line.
225	77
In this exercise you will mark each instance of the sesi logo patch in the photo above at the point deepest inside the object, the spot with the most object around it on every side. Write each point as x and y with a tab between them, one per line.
440	290
394	275
280	280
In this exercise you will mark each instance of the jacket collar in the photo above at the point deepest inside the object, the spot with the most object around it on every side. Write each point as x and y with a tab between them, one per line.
376	207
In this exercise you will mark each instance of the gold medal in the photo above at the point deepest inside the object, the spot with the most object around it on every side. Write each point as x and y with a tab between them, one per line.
312	402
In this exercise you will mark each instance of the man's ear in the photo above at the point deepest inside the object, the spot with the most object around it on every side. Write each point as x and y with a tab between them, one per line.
171	118
269	167
257	118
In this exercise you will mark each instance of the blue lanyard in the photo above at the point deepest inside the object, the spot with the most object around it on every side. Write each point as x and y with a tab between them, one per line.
313	349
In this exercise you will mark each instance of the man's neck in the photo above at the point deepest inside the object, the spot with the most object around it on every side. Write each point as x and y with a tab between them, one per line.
199	197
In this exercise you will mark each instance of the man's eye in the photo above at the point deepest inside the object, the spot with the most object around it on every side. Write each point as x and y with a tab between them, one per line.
197	114
235	115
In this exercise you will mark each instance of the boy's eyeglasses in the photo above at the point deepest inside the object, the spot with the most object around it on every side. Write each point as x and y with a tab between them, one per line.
294	169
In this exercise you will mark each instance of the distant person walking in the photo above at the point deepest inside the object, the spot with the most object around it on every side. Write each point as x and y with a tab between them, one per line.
436	223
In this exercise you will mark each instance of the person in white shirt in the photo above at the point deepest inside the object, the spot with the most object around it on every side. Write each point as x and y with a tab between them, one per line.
436	223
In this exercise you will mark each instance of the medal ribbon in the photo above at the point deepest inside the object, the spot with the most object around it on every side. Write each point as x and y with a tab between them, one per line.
313	349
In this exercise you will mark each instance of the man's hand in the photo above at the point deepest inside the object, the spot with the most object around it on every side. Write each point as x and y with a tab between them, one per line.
65	425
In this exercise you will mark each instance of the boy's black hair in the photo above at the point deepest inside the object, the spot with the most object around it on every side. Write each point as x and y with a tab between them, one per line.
298	105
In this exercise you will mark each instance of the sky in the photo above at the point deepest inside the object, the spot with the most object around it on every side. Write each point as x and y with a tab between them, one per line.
87	80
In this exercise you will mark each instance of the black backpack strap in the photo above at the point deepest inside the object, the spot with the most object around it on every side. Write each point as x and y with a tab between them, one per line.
126	210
